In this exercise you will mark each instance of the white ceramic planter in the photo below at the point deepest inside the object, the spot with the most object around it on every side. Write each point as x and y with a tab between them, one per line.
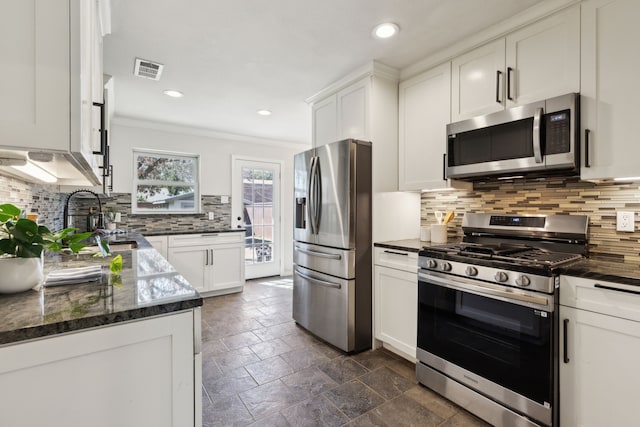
19	274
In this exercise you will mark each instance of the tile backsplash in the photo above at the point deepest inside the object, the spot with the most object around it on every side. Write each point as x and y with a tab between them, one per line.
45	200
569	196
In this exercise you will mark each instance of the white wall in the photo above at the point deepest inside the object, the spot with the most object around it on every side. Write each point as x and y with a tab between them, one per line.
215	159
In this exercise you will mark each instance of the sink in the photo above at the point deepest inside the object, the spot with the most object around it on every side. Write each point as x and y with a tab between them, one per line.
114	246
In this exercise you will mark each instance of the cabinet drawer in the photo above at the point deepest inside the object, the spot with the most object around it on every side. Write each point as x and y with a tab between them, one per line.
181	240
614	299
398	259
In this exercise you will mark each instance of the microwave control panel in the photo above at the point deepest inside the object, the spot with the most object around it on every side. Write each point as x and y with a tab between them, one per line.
557	127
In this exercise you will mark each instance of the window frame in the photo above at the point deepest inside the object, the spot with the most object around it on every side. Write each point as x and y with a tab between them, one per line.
197	201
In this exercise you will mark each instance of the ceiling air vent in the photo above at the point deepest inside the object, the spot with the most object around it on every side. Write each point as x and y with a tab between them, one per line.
148	69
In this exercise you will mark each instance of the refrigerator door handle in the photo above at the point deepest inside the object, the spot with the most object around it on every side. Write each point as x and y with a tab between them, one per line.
311	180
319	254
318	195
318	281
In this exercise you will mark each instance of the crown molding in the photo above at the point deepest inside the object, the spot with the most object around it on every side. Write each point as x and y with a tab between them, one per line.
534	13
373	68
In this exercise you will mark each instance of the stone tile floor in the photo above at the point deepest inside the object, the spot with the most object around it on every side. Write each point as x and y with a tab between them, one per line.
261	369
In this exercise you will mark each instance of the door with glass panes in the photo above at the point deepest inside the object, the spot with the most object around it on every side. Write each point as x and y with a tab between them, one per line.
256	207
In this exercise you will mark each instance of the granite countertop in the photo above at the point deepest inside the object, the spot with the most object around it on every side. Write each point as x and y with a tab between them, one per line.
147	286
409	245
592	268
198	231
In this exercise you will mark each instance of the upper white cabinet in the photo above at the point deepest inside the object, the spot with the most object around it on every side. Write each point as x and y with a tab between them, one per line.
539	61
423	114
543	59
478	82
50	75
363	106
610	89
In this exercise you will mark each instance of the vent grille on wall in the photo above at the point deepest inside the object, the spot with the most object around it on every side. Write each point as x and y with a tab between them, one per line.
148	69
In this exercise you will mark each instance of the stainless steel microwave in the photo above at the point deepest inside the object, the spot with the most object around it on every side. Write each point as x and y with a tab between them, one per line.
541	138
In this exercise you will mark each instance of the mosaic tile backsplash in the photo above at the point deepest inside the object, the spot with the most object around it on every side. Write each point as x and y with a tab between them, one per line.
121	203
599	201
45	200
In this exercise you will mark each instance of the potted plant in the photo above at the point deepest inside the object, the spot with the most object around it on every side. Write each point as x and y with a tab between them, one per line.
22	243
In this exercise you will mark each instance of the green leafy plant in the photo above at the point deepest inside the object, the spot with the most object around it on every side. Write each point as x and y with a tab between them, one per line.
23	238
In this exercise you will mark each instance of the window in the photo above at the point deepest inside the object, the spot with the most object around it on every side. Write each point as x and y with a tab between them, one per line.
165	182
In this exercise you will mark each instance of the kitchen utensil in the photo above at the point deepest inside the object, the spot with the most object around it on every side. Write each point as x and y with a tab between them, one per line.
438	233
449	217
439	215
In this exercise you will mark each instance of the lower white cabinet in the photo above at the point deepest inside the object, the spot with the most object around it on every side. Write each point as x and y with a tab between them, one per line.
138	373
599	353
396	300
212	263
159	243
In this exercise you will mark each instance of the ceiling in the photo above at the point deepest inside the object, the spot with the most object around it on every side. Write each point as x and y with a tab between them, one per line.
231	58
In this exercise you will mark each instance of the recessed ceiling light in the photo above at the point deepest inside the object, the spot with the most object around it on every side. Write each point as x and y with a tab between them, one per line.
385	30
264	112
173	93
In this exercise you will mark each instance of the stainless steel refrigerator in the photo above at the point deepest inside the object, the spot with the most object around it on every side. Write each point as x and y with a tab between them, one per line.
332	243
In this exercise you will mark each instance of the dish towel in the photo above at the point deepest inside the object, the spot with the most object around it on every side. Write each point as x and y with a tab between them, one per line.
70	276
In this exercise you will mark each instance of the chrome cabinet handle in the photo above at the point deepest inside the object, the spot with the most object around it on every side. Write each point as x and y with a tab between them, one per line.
537	148
565	346
611	288
396	253
587	164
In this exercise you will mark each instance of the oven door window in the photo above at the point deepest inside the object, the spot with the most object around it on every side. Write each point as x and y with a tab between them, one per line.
506	343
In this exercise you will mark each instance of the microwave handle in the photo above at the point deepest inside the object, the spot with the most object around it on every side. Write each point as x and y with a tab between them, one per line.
537	148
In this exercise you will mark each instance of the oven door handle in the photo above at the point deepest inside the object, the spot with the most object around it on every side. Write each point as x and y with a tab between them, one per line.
487	290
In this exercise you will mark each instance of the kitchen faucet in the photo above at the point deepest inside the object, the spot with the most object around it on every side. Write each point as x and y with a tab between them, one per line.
65	220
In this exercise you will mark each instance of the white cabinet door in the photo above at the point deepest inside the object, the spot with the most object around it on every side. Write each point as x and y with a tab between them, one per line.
34	74
353	110
543	59
138	373
599	382
228	266
396	308
193	264
478	81
424	112
159	243
325	121
610	89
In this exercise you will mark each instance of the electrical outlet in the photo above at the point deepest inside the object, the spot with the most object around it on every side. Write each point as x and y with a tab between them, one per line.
211	216
625	221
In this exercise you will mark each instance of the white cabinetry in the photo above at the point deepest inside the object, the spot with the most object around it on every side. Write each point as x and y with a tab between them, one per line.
138	373
610	89
159	243
363	106
396	300
212	263
599	353
540	61
423	114
50	75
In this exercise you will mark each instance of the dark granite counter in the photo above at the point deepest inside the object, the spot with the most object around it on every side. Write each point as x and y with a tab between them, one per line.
199	231
147	286
599	269
409	245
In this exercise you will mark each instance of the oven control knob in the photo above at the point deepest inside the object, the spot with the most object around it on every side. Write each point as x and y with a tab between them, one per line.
431	263
471	271
445	266
501	276
523	281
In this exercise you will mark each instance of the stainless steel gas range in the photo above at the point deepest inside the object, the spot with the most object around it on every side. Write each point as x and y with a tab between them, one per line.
488	315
